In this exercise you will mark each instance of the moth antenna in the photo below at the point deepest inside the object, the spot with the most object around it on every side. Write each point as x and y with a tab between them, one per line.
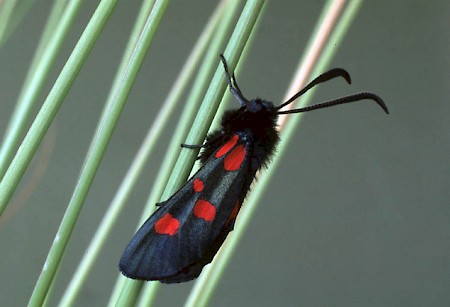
331	74
232	84
342	100
236	86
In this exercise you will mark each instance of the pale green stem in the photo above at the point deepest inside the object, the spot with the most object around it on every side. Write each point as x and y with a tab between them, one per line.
53	36
101	136
52	103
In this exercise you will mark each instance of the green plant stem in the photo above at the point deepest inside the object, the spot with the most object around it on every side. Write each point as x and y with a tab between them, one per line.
53	102
58	25
104	131
40	125
110	216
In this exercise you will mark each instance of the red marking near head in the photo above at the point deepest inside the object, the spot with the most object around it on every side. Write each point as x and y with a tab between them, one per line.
198	185
167	225
233	213
234	160
204	210
227	146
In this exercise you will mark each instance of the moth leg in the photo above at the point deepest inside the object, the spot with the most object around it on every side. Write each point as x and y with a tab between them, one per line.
193	146
206	144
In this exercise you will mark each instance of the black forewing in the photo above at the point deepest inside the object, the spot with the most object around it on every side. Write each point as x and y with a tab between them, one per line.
181	257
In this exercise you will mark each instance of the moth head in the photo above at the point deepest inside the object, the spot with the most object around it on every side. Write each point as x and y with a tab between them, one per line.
257	105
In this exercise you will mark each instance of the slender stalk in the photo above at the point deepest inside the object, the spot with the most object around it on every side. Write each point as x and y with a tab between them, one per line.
107	222
55	32
101	138
53	102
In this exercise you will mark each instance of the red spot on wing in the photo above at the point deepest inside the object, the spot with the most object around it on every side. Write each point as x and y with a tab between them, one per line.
204	210
234	160
227	146
233	213
198	185
167	225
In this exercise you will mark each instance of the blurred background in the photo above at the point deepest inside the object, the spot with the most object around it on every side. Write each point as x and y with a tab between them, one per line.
358	213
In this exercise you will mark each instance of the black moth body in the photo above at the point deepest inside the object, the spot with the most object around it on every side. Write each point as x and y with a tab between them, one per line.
187	230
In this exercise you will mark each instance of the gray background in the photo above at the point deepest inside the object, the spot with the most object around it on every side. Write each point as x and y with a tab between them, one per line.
358	211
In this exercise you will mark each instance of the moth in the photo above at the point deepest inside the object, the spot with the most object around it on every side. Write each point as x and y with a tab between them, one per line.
187	230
